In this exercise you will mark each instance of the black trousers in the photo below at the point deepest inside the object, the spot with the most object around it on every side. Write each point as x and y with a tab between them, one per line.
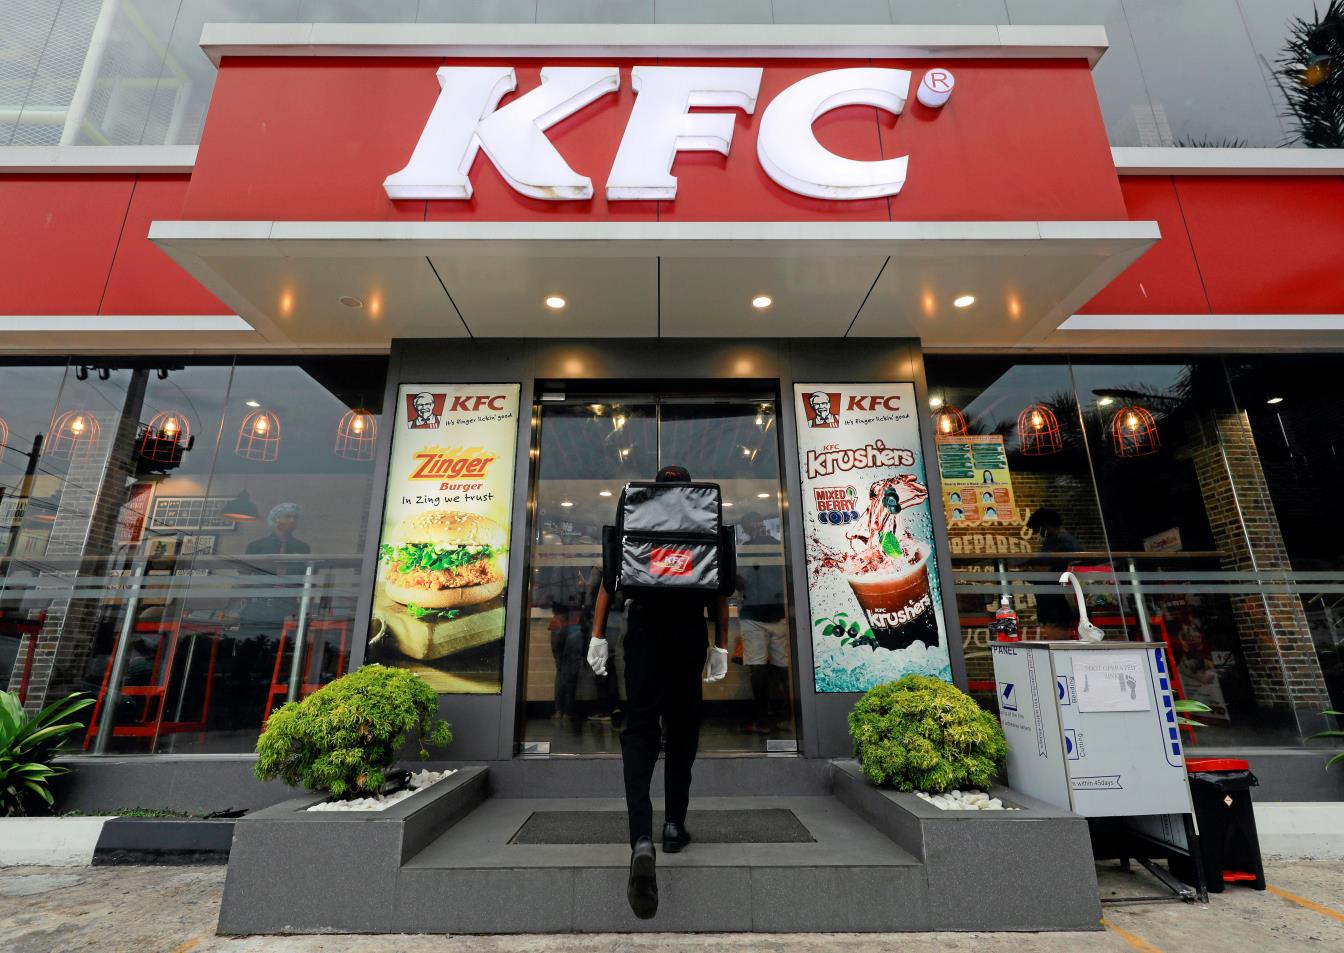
665	649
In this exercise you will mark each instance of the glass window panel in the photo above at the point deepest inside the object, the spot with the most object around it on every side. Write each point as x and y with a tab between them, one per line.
1271	25
52	86
27	26
1179	482
1130	120
587	448
836	11
595	11
1025	415
477	11
27	403
1202	74
182	93
284	567
1292	407
357	11
185	567
712	11
949	11
158	645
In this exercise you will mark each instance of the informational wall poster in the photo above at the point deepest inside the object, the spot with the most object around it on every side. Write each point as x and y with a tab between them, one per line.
977	487
438	606
873	587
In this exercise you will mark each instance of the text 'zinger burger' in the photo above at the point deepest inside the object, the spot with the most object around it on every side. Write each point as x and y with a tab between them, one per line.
444	560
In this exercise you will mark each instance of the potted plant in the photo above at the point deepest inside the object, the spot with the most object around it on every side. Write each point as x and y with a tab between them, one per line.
342	739
27	748
922	734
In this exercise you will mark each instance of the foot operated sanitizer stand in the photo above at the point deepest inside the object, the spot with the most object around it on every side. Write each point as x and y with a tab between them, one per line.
1091	727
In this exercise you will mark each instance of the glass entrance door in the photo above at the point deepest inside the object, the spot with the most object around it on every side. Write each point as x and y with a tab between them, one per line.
587	447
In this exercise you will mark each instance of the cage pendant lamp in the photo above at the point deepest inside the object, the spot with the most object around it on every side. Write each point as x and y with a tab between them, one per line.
74	434
356	435
1038	431
949	421
164	438
259	437
1134	432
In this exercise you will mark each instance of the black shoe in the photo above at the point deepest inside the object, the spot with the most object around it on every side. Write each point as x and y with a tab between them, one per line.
642	890
675	837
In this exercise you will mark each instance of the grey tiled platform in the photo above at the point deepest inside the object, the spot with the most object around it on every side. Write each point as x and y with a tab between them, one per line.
443	862
707	888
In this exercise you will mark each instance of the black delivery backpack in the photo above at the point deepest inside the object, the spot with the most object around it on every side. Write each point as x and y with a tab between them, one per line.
669	538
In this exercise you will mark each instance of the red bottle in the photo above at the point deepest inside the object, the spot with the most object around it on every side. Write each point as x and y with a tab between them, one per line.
1005	622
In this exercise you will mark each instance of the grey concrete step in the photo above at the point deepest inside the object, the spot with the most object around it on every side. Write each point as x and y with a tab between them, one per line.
715	776
851	877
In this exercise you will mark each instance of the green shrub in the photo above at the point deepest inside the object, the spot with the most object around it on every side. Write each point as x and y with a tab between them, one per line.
342	739
922	734
27	746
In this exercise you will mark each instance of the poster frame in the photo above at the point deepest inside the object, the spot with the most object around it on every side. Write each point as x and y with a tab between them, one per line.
808	375
379	527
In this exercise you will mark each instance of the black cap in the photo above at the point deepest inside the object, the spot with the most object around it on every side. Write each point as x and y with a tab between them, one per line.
673	474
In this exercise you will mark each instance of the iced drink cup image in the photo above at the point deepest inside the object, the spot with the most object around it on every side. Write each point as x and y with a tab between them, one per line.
888	569
897	601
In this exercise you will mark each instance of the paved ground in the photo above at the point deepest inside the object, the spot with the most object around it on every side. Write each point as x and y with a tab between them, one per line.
173	910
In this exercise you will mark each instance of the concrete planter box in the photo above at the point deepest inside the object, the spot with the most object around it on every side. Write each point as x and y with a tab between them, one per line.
164	840
295	871
1029	869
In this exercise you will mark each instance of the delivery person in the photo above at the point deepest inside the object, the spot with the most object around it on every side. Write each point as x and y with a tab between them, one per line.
665	643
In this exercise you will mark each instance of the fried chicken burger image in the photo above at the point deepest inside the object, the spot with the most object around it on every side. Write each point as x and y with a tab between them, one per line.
444	560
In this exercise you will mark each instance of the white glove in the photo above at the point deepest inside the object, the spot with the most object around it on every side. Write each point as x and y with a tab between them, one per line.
597	655
718	665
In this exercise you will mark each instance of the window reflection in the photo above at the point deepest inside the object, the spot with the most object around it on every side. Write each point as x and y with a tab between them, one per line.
588	448
187	586
1146	481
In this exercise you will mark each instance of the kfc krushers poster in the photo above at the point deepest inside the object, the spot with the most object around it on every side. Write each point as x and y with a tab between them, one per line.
872	576
438	605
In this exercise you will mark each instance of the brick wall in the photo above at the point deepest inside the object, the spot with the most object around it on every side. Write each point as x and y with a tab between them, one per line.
85	527
1275	636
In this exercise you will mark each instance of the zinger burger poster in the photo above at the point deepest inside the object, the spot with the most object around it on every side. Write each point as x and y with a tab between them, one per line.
438	601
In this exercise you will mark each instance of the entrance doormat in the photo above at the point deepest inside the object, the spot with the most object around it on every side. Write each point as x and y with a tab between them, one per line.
764	826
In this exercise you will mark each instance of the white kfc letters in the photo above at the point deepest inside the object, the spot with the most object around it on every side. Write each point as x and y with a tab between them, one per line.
467	118
659	125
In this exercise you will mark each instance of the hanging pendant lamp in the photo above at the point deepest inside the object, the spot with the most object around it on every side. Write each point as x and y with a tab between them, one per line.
1038	431
1134	432
74	434
165	438
949	421
357	435
259	437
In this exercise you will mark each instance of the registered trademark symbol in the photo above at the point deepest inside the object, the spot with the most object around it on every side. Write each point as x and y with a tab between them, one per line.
936	87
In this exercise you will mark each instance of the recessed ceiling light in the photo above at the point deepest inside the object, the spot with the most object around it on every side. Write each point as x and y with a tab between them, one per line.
1274	400
252	403
604	493
727	504
1106	401
566	503
935	403
965	301
761	302
762	496
350	301
555	302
